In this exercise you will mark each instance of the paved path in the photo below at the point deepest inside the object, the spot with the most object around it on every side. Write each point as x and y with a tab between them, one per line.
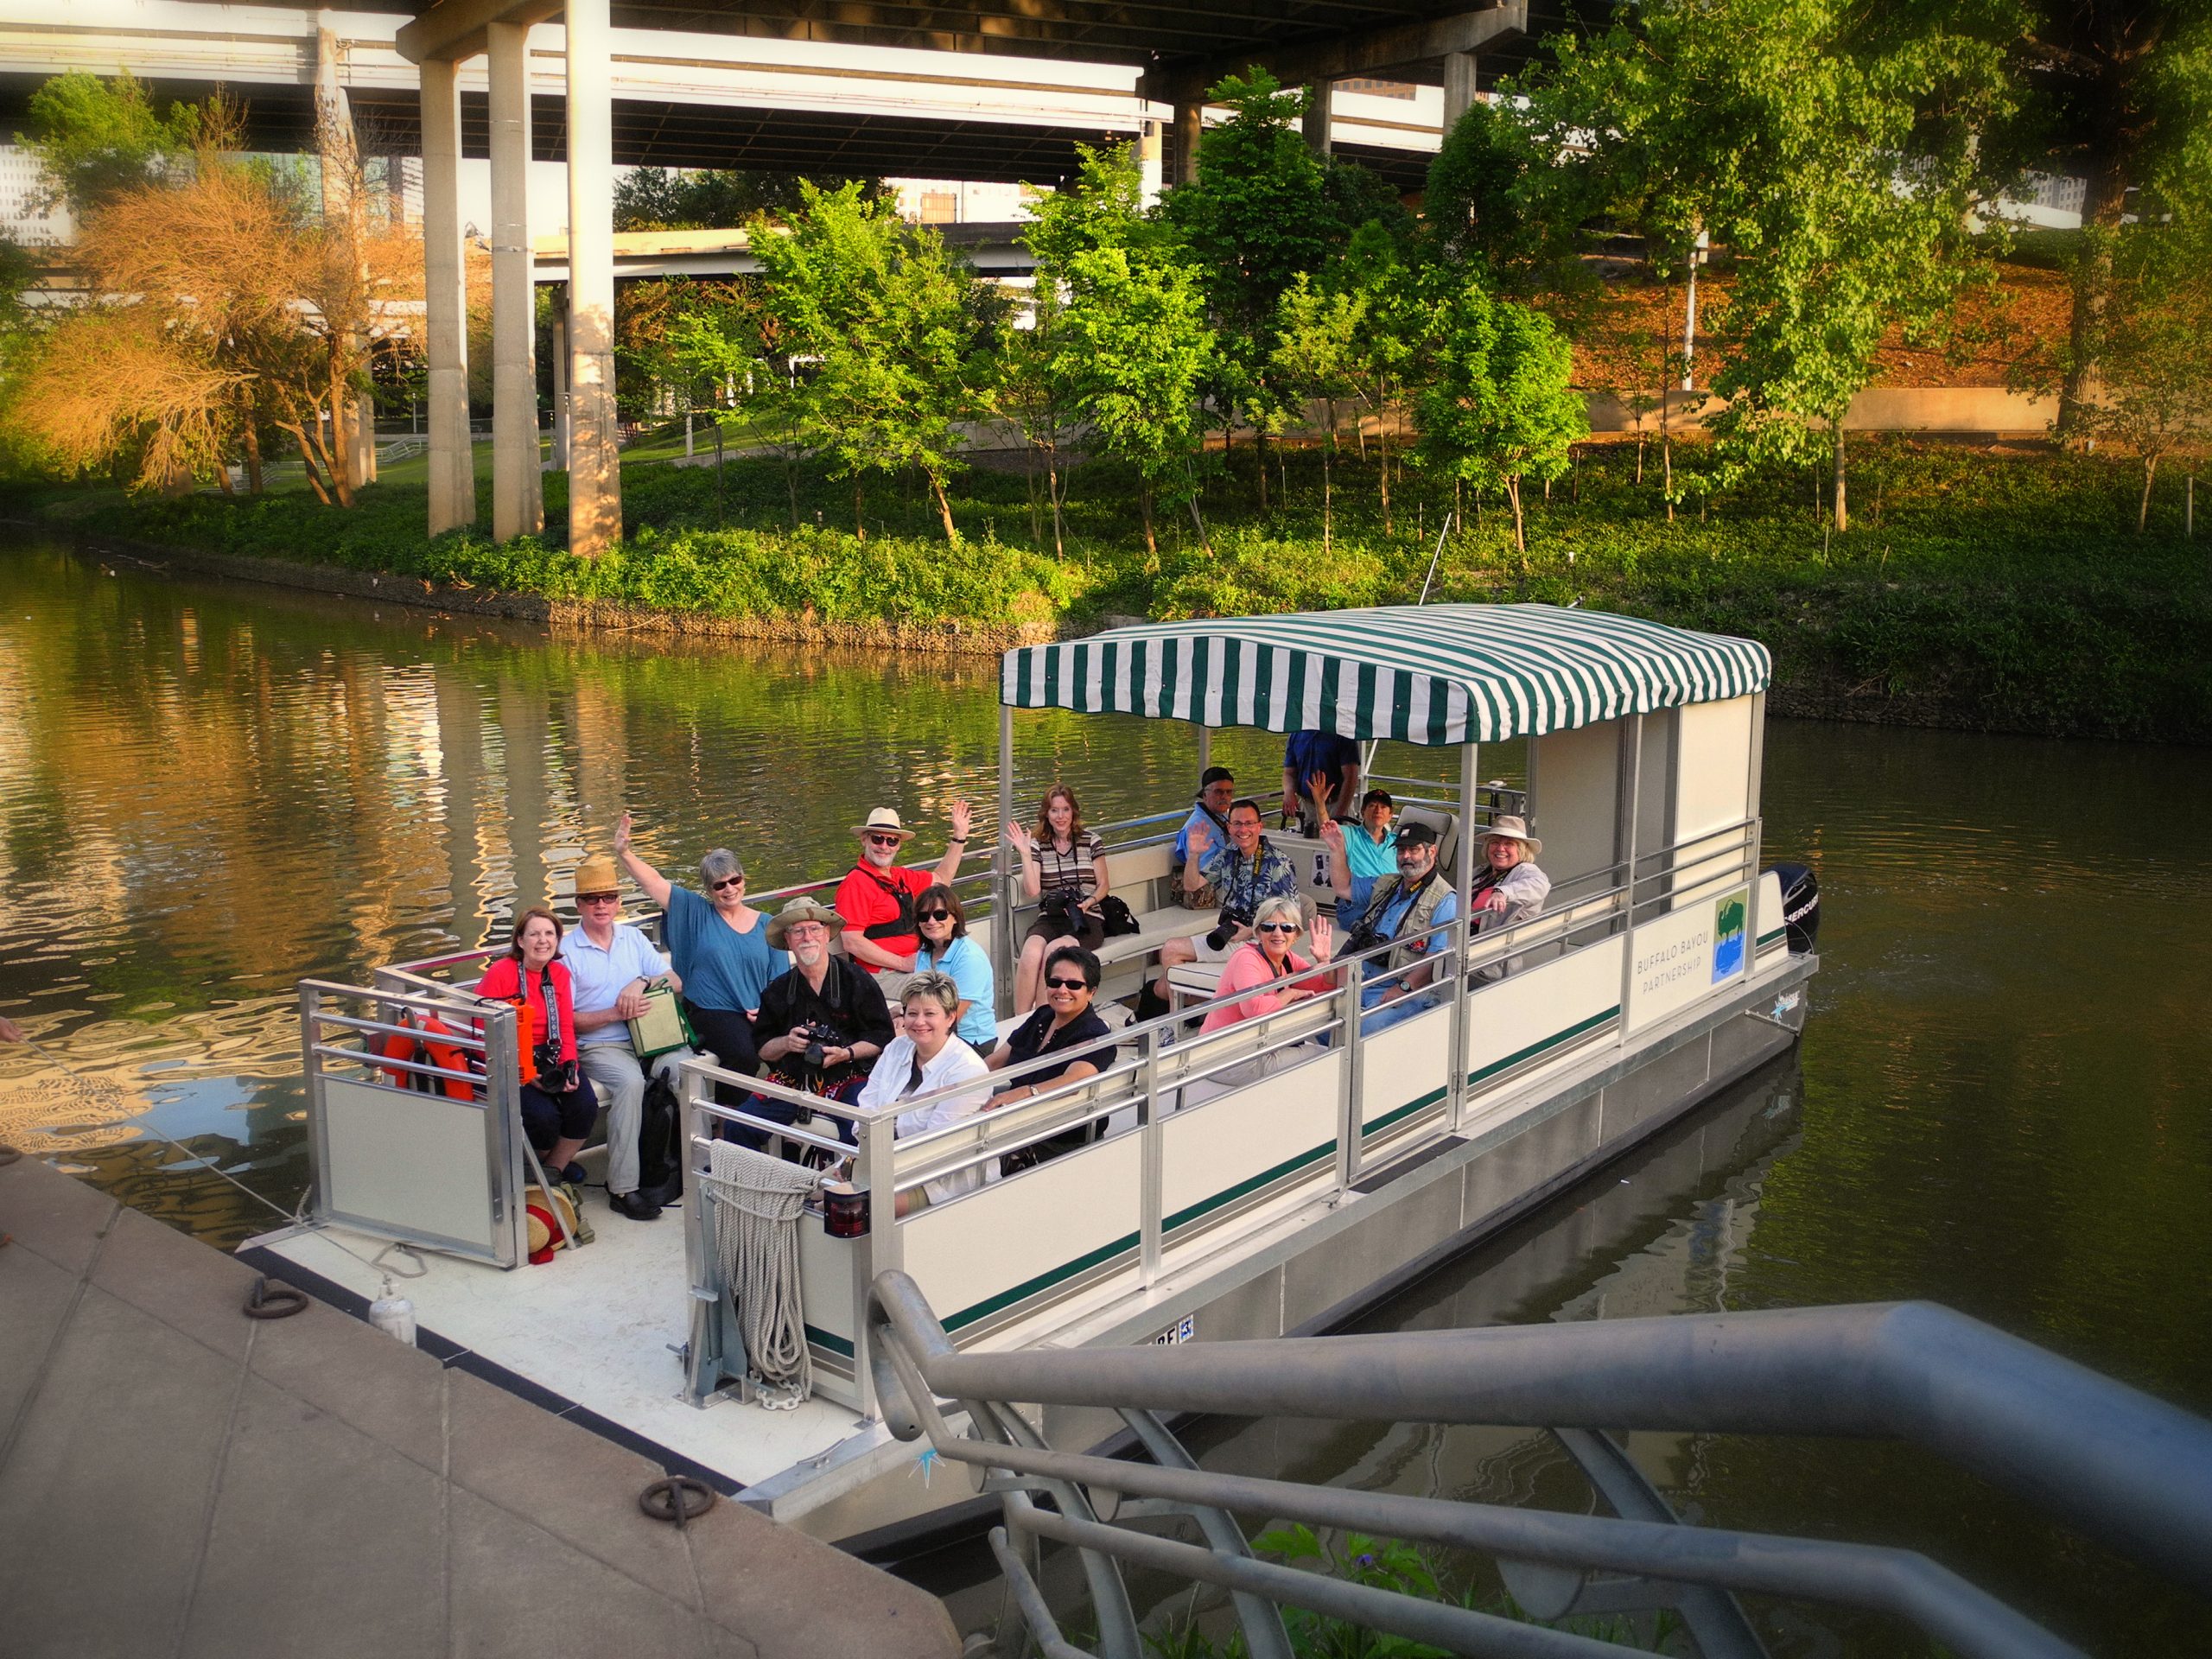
176	1479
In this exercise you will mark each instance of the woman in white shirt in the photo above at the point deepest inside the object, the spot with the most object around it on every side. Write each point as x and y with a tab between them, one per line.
923	1058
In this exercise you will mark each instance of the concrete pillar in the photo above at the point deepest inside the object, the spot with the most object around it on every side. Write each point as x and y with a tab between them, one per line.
561	383
1321	100
445	269
353	441
1458	87
518	488
1150	144
1190	121
594	467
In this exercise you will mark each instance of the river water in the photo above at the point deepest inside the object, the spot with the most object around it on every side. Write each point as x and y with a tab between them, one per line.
208	791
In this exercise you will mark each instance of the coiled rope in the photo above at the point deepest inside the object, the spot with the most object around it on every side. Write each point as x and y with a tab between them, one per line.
755	1202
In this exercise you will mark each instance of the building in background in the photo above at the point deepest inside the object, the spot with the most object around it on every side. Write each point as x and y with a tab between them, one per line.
26	216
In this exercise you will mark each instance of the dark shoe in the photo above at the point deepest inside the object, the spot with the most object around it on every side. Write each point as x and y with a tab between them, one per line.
1150	1004
670	1197
574	1174
636	1205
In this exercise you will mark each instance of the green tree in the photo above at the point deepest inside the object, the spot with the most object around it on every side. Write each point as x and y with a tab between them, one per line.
705	349
2155	392
1317	335
1134	351
1838	161
1102	208
95	138
2117	92
717	199
1260	213
892	329
1499	408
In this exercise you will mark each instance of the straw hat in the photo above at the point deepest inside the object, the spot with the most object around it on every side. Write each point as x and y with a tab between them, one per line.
596	875
884	821
545	1234
1512	829
802	909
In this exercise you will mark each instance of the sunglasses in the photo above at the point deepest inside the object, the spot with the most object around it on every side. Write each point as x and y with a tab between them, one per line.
1278	927
729	882
883	841
599	897
932	915
1069	984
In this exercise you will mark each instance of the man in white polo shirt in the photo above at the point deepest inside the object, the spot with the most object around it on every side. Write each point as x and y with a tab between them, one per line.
610	963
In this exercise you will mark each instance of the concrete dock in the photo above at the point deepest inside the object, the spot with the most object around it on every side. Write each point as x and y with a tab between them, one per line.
177	1479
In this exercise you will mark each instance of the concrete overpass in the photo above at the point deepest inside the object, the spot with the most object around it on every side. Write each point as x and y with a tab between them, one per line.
996	89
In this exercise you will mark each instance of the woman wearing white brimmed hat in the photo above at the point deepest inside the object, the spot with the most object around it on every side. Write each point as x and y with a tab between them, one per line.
1509	889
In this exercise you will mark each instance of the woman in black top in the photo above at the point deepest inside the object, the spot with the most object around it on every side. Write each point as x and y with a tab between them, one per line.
1068	1035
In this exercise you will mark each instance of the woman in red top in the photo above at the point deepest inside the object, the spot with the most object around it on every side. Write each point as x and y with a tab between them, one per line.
532	974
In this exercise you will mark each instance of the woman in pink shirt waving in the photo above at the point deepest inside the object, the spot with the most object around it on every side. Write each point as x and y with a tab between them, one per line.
1267	957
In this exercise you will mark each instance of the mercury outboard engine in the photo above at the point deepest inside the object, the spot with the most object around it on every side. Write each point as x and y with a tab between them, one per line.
1801	907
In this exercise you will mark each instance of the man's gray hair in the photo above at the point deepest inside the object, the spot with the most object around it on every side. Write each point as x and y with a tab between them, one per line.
719	865
939	987
1278	906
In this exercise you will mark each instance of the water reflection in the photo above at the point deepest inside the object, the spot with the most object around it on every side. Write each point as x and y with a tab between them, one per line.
208	791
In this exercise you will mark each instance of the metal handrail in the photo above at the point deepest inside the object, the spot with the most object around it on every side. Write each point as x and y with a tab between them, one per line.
2132	1470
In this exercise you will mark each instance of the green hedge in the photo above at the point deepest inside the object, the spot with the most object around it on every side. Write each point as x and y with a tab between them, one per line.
2002	589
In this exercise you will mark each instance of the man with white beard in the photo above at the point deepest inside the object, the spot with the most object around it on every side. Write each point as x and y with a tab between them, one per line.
822	1025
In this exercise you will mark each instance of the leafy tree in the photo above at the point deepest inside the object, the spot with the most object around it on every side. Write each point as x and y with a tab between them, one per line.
2119	92
225	303
96	138
717	199
2156	365
1837	161
1316	335
892	329
1134	349
704	346
1259	214
1500	408
1103	208
1500	206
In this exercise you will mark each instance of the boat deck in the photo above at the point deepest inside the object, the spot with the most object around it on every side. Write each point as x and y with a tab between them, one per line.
599	1328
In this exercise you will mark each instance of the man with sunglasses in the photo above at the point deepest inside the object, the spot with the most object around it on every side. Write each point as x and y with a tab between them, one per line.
1377	910
877	896
610	965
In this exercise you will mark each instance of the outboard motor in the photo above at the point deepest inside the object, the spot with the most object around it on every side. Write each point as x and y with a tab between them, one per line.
1801	907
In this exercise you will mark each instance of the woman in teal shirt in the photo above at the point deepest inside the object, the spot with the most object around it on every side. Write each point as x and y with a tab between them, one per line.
946	949
719	946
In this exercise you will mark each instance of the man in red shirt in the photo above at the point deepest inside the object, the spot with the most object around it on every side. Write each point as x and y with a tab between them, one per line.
877	898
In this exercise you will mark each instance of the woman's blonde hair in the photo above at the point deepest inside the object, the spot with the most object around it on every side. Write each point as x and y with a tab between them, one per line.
939	987
1273	908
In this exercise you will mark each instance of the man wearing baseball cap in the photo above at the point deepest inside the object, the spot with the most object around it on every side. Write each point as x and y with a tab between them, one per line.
1378	910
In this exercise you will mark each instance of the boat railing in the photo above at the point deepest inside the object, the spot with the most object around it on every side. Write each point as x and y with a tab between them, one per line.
1361	1095
2100	1459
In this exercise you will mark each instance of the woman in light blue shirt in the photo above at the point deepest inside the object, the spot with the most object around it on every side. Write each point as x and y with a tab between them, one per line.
720	947
946	949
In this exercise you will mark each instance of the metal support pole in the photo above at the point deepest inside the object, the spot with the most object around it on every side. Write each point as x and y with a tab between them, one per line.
1463	881
445	268
1632	730
1003	870
1753	782
1152	1176
595	467
702	1358
1460	87
518	486
1348	1083
1319	100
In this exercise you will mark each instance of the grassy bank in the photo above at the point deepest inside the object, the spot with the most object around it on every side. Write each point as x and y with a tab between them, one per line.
1985	587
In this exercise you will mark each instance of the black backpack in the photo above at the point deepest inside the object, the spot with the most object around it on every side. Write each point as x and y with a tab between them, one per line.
660	1130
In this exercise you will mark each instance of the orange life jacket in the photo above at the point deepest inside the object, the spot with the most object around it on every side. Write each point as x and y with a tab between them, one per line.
426	1050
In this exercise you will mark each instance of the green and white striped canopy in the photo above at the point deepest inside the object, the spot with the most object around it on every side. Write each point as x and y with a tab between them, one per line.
1434	674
